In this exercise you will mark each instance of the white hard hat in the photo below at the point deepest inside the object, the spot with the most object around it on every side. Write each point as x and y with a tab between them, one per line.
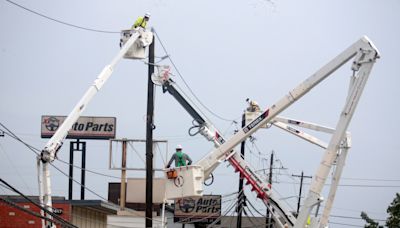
179	147
254	103
147	15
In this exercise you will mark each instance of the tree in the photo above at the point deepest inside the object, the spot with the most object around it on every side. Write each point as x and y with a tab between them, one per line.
370	222
393	221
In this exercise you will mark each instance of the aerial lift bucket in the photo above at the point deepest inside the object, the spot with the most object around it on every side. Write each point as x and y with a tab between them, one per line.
138	49
185	181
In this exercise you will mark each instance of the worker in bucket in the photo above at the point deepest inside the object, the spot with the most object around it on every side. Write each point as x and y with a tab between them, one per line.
181	159
253	106
141	21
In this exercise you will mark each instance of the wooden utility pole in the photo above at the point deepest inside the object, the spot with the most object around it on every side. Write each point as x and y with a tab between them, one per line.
271	167
301	187
123	177
241	197
149	139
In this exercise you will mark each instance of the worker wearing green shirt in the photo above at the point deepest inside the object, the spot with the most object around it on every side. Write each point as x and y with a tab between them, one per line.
141	21
180	158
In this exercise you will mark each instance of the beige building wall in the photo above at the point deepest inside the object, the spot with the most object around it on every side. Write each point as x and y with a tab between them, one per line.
84	217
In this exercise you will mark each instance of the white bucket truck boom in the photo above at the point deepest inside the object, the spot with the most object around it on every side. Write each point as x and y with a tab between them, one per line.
133	45
189	179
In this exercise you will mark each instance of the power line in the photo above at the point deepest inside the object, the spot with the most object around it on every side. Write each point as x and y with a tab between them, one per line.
15	168
345	224
58	218
59	21
349	185
351	217
33	149
113	32
371	179
186	84
12	204
361	179
88	170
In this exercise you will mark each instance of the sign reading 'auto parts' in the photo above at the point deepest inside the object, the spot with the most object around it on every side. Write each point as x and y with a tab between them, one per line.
87	127
205	209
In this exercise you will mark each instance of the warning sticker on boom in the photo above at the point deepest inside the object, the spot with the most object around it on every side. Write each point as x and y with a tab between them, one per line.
256	121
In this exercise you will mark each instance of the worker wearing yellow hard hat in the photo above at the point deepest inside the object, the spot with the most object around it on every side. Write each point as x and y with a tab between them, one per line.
141	21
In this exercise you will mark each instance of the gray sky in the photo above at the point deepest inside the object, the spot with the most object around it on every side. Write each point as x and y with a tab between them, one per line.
226	51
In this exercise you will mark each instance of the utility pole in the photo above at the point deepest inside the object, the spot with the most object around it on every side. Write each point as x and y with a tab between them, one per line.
241	196
123	177
271	167
149	139
301	187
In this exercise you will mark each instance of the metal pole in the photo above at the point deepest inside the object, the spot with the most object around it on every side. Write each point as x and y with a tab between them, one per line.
271	165
123	177
83	170
149	140
241	196
71	169
301	187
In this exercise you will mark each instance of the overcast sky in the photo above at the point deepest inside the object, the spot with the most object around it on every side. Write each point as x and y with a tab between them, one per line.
226	51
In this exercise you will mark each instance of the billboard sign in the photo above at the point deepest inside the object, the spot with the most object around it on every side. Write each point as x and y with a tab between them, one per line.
205	209
87	127
136	190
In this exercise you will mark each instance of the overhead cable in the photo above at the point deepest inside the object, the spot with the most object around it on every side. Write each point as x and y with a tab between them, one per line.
55	216
184	81
59	21
33	149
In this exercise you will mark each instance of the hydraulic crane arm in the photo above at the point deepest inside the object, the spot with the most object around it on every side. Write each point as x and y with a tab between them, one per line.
205	128
212	134
56	141
365	55
134	46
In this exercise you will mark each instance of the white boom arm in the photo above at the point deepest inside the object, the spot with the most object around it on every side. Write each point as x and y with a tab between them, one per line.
49	152
56	141
365	55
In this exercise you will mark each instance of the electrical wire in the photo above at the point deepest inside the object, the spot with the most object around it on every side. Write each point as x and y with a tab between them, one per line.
345	224
36	151
186	84
349	185
12	204
219	218
11	134
187	219
55	216
62	172
252	206
137	153
88	170
162	157
15	168
180	90
59	21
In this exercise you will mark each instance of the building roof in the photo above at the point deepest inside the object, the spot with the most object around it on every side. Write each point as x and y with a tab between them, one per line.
20	199
97	205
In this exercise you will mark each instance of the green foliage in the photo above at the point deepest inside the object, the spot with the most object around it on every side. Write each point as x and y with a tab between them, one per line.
393	221
370	222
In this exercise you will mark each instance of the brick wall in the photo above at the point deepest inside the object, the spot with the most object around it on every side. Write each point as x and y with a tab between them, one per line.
13	217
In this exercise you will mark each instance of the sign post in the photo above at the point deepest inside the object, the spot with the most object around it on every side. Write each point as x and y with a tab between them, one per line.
76	146
86	127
